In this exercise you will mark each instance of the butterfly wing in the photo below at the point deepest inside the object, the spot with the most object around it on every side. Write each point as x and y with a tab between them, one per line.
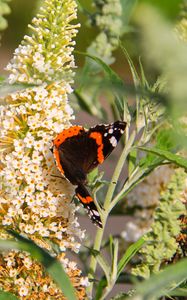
74	153
88	203
106	138
78	151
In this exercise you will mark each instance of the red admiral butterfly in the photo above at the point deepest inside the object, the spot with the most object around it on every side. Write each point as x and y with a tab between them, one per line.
78	151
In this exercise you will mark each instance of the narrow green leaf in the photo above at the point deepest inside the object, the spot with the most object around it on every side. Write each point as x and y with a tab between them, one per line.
105	266
52	265
171	157
7	296
127	8
157	285
114	80
129	253
143	78
132	160
180	292
101	286
83	103
135	76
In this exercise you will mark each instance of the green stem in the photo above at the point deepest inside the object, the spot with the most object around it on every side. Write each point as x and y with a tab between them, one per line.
106	206
127	187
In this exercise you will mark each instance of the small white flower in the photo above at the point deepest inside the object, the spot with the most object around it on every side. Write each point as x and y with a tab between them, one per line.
27	262
58	235
11	211
30	200
29	229
44	232
29	140
25	217
84	281
38	145
38	226
29	190
23	291
72	265
13	272
7	220
19	145
41	94
20	281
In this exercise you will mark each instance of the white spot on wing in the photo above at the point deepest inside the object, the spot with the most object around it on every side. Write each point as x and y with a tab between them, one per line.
113	141
110	130
96	213
105	134
122	131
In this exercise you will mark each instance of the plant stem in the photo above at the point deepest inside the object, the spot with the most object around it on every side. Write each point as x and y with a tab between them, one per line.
106	206
127	187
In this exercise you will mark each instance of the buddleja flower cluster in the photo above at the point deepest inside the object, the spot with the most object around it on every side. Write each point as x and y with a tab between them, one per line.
162	241
108	20
33	202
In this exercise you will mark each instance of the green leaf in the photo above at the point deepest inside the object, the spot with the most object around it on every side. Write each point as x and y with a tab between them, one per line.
101	286
164	141
114	80
52	265
7	296
160	284
180	292
93	175
83	103
169	9
132	160
171	157
129	253
105	266
127	8
134	73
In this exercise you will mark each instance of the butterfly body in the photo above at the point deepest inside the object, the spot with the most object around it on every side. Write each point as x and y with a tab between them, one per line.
77	151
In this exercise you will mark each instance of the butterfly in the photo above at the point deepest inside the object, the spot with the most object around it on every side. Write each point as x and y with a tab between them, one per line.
77	151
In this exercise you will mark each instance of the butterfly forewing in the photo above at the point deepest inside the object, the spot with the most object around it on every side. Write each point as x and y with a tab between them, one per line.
77	153
110	135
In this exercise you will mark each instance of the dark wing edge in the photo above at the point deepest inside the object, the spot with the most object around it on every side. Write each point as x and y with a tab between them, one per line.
88	203
110	133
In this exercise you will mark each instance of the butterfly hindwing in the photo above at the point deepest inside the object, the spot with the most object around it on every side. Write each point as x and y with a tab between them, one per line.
88	203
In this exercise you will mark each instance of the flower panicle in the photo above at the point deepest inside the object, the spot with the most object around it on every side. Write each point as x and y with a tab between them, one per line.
109	21
33	202
46	55
166	227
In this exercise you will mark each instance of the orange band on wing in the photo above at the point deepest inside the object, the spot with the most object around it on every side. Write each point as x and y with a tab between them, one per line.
66	133
57	160
98	138
85	200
